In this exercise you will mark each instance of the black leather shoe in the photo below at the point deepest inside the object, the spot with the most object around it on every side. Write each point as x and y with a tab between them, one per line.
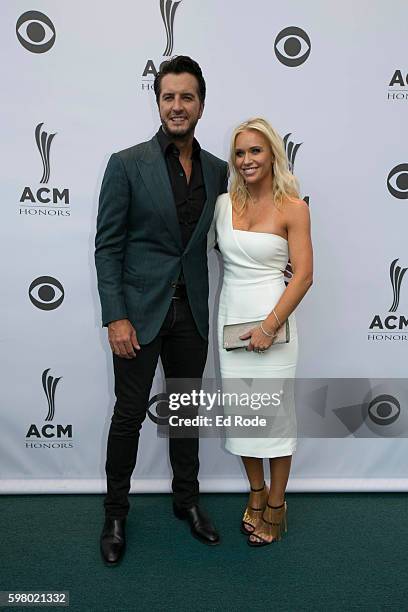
113	540
200	525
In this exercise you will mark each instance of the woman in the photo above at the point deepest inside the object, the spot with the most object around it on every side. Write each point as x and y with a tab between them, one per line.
258	225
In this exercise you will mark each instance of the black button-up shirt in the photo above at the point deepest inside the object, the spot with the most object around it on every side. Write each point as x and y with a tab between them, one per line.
189	197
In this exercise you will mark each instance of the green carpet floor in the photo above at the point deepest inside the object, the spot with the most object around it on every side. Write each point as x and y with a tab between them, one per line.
342	552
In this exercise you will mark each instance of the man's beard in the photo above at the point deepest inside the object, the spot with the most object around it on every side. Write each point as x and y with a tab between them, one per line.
179	134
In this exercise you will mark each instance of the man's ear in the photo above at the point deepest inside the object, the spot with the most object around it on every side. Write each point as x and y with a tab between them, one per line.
201	109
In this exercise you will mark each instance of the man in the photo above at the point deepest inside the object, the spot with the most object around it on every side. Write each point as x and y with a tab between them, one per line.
156	206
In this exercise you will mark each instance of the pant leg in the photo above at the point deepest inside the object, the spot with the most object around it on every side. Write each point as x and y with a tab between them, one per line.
133	381
183	354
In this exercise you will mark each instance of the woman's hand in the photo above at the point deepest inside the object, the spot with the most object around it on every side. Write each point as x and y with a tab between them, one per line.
260	342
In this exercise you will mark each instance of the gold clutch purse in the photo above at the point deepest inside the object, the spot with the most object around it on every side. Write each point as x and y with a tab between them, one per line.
232	333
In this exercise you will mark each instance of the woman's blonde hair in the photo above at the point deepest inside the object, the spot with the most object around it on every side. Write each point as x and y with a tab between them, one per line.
285	185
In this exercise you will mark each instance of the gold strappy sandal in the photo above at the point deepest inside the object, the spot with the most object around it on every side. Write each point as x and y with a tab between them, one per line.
274	527
251	514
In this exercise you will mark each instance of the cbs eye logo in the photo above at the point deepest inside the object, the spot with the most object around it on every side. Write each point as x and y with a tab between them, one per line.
159	404
397	182
46	293
292	46
385	416
35	31
384	410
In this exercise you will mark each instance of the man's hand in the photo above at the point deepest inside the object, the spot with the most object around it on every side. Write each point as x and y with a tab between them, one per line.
123	339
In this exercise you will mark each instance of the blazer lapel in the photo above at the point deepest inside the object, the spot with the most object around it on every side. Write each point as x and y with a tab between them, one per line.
207	214
153	170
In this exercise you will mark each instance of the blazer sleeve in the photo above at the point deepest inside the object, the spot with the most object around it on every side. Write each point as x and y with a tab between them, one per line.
224	178
211	237
110	240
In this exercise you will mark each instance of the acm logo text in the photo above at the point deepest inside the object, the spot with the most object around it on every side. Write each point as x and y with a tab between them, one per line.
398	86
168	10
45	435
44	200
395	324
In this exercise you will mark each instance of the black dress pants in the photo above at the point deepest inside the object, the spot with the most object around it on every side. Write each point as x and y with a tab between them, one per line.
183	352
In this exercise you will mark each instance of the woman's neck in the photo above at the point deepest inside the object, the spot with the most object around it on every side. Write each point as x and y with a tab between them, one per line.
261	190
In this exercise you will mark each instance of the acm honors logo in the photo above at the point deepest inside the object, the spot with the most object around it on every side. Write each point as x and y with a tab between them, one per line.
42	199
168	10
35	31
49	434
291	149
394	326
398	86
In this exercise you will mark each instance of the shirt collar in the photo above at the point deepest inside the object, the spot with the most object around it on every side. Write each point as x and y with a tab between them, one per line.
168	146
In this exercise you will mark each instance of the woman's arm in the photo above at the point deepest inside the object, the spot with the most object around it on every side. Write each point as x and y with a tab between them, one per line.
301	258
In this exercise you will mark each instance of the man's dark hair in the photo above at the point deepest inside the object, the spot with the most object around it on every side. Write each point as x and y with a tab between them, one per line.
178	65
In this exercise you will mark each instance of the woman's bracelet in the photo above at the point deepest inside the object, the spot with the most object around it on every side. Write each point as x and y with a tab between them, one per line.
267	333
277	318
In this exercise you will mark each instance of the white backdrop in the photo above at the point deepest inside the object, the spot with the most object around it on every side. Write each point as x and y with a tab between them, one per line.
82	78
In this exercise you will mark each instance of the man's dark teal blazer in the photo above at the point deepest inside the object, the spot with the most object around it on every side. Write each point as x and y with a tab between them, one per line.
139	253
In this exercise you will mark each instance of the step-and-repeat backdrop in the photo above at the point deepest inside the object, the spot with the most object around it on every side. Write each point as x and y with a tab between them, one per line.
77	84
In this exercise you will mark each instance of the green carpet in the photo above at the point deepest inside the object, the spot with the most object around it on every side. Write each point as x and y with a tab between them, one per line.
342	552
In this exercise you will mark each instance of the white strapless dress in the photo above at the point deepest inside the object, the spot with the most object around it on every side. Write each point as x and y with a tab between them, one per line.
254	265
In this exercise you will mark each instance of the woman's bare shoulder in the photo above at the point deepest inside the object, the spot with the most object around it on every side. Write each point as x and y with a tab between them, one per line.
295	203
296	209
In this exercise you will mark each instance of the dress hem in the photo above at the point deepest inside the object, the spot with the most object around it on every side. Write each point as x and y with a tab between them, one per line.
265	455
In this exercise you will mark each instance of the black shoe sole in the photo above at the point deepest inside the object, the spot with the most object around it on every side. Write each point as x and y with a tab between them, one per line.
112	563
181	517
203	540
